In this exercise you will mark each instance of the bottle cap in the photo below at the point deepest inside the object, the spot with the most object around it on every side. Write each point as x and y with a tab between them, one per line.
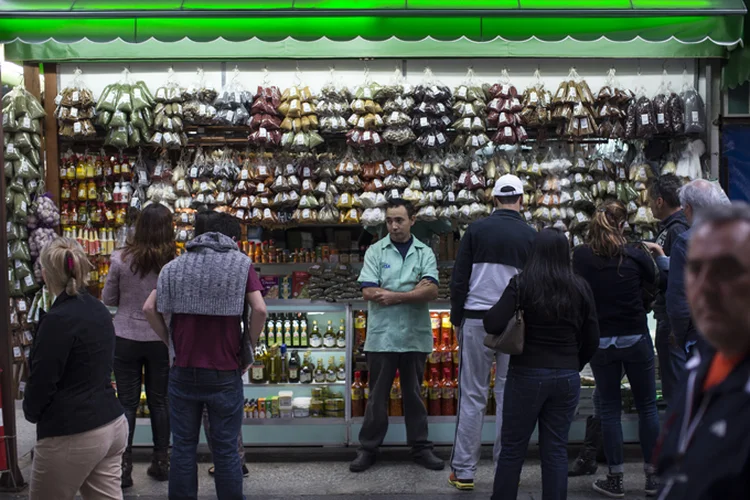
283	348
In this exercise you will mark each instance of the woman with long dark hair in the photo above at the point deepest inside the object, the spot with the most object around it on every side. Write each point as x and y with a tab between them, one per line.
543	383
617	273
132	277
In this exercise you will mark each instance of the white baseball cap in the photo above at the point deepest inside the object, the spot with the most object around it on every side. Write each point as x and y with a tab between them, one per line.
508	185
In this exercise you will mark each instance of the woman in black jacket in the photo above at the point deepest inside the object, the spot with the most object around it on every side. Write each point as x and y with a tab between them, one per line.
617	273
81	430
543	383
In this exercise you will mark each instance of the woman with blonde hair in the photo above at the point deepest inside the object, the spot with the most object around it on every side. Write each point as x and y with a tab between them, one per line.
81	430
618	273
140	355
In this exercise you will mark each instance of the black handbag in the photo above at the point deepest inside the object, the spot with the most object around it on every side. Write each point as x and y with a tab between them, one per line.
512	339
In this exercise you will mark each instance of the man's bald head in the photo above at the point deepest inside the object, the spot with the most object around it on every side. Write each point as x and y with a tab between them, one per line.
699	195
718	277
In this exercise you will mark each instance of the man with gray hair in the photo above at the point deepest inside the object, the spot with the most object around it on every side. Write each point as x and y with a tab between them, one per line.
705	449
695	197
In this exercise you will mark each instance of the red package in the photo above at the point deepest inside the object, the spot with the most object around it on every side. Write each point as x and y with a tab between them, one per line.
299	284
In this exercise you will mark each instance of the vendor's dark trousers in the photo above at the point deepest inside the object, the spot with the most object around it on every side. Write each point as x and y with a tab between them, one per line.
190	390
638	362
132	358
382	368
544	395
672	359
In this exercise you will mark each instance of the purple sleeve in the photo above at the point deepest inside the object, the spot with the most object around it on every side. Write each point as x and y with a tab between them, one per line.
253	282
368	284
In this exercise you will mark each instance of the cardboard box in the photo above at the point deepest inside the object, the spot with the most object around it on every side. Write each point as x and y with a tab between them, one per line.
299	285
270	286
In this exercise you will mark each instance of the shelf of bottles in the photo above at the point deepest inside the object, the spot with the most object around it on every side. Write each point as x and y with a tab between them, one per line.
300	372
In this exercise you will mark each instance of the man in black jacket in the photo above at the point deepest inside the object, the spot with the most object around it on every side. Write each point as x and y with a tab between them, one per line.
705	448
664	200
492	251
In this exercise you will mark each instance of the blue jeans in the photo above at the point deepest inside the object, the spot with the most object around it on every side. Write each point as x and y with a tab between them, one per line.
546	395
190	389
672	359
638	362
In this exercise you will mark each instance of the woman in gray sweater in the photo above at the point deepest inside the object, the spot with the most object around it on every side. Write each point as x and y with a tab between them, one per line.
140	355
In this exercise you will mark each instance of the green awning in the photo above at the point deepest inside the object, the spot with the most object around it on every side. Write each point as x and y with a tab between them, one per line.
69	30
737	70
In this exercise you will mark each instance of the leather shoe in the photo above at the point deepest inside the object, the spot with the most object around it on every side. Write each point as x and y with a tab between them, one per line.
428	460
364	461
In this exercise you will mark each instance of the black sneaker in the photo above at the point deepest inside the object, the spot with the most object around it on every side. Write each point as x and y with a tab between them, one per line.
364	461
126	477
159	470
428	460
582	467
652	485
611	487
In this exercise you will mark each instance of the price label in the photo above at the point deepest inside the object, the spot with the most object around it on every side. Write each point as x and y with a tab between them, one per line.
306	214
462	92
142	177
221	198
75	96
433	181
184	218
157	170
361	122
375	138
367	93
230	116
580	217
29	337
377	183
441	138
533	98
262	133
137	93
23	206
134	202
474	141
446	121
58	100
203	186
77	128
29	280
424	122
694	115
306	108
394	117
11	148
395	193
26	123
240	214
431	140
74	112
366	136
244	175
660	118
17	352
508	132
644	119
194	172
183	234
202	109
467	123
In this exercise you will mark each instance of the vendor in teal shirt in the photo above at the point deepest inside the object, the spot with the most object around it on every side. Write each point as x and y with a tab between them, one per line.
398	279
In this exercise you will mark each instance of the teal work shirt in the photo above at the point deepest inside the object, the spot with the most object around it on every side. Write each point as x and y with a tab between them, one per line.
401	327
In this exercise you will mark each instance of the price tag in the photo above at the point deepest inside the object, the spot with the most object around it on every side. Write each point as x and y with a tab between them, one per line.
221	198
462	92
230	116
395	193
424	122
203	186
644	119
533	98
394	117
366	136
194	172
237	97
142	177
200	198
361	122
431	140
474	141
157	170
26	122
23	206
577	196
508	131
137	93
134	202
16	352
660	118
18	263
244	175
446	121
264	201
306	214
183	234
441	138
377	183
467	123
77	127
202	109
185	218
306	108
572	92
74	112
580	217
240	214
433	181
263	171
375	138
75	96
29	337
695	116
29	280
58	100
11	148
367	93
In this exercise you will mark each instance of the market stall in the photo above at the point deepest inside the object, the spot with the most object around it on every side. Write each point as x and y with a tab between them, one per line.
306	143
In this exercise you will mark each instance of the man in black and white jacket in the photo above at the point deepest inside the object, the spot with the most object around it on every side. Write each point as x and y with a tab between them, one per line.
492	251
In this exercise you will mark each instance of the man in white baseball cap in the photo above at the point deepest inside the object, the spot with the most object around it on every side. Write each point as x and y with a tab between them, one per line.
492	251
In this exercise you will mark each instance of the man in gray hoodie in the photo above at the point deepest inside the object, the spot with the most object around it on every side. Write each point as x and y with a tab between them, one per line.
206	291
